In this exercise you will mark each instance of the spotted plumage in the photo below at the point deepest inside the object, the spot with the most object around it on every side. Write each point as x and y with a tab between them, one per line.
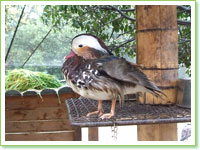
93	72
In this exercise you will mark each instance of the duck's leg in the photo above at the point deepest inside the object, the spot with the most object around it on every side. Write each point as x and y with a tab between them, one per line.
99	109
112	111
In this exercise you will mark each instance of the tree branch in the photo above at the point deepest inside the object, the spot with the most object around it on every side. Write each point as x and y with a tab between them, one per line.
124	43
180	22
183	8
14	33
122	14
113	30
184	22
185	40
111	21
123	34
127	10
124	10
37	47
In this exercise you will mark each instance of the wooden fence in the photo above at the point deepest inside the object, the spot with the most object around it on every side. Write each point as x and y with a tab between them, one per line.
29	118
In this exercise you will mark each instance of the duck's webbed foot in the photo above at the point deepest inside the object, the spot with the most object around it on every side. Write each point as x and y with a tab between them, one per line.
107	116
112	111
99	110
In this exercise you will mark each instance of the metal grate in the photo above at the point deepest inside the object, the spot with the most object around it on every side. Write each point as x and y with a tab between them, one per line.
132	113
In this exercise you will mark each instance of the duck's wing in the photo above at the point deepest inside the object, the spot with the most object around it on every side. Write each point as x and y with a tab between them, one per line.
122	70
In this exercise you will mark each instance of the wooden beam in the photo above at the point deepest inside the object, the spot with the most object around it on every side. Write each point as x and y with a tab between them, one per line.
93	134
157	132
157	52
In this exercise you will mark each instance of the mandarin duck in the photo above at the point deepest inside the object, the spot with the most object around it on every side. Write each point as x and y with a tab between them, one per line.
93	72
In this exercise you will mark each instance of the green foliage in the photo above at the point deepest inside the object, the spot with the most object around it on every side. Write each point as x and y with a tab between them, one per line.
105	21
117	30
100	20
184	41
22	80
49	56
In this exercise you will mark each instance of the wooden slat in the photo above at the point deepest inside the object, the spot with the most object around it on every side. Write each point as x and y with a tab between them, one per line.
163	77
45	113
32	102
22	102
52	100
150	52
37	125
168	17
146	20
153	17
147	98
41	136
29	118
161	52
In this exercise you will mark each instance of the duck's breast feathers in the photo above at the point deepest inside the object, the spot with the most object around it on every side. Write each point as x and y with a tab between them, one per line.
85	78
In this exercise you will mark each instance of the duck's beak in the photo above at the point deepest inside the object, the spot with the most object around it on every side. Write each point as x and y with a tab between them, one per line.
71	54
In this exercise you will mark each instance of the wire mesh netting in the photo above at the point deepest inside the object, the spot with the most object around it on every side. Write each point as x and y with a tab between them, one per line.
131	113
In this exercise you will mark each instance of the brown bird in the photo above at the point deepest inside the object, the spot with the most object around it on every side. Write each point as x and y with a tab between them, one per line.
93	72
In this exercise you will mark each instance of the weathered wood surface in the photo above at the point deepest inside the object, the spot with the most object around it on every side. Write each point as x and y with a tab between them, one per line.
37	114
37	125
157	53
41	136
157	132
29	118
93	134
157	48
32	102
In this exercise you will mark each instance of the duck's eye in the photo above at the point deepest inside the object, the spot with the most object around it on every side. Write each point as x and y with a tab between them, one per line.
80	45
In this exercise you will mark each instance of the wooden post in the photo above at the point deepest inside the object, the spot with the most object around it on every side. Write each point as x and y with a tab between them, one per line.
157	52
158	132
93	134
77	134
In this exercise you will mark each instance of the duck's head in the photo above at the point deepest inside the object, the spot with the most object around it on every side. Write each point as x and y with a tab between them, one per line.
85	44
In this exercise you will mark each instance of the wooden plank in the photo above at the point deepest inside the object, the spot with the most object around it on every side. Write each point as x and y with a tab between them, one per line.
37	125
159	54
157	48
163	77
45	113
151	52
157	132
147	20
155	17
93	134
156	44
32	102
169	55
22	102
52	100
41	136
168	17
147	98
